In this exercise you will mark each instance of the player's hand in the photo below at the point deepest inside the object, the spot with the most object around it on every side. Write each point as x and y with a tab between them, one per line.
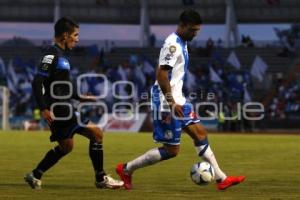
88	98
48	116
177	110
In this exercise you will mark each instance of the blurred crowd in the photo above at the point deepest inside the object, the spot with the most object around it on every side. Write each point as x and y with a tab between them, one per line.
217	81
286	103
289	39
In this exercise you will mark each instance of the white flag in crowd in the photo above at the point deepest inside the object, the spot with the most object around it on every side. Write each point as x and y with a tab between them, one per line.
2	67
122	87
11	77
122	73
148	68
140	75
247	97
27	90
214	77
233	60
10	84
259	68
191	82
11	73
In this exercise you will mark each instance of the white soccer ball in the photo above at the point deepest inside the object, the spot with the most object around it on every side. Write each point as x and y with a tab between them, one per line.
202	173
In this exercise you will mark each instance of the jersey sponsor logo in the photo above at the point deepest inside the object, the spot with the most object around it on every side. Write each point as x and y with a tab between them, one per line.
48	59
168	57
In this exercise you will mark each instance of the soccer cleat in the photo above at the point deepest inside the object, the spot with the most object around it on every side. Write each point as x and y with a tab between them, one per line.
124	176
33	182
230	181
109	183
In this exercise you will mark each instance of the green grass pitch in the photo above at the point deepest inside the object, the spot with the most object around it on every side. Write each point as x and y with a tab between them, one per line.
270	162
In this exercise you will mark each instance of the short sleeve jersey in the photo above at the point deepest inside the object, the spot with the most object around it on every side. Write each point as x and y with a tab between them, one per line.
55	68
174	53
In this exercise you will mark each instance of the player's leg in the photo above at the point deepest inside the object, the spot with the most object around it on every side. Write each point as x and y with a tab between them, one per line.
151	157
167	132
51	158
198	133
95	135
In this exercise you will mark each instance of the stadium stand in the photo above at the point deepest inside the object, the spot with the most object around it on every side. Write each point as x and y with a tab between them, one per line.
208	64
124	62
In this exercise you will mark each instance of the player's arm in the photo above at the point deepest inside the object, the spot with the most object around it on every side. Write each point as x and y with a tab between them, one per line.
167	59
164	84
86	98
37	86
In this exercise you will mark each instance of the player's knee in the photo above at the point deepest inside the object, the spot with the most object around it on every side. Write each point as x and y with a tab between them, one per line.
201	133
97	135
202	130
172	152
66	148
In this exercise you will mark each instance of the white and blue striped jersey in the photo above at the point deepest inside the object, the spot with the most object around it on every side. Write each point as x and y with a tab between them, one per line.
174	53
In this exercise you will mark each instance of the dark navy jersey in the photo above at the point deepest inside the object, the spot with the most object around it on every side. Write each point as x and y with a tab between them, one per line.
52	82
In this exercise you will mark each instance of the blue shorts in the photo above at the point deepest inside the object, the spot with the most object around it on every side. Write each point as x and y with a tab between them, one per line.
167	128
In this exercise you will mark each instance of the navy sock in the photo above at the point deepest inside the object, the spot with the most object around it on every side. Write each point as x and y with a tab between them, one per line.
96	155
50	159
201	146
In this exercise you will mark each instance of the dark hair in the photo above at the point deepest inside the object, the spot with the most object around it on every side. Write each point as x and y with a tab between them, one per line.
190	16
63	25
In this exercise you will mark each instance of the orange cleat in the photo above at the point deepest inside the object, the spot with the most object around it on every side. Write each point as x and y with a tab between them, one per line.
230	181
125	177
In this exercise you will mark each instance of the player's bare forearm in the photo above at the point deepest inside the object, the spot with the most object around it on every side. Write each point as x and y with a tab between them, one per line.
164	83
88	98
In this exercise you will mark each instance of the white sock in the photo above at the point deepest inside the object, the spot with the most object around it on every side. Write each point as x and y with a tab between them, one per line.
149	158
209	156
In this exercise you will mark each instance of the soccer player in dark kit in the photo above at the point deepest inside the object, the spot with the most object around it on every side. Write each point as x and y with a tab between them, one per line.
53	91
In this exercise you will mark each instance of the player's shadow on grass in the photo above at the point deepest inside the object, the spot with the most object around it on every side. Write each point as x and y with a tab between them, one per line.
67	186
48	186
13	184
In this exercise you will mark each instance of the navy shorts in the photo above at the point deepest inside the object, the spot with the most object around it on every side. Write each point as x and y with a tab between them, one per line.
64	129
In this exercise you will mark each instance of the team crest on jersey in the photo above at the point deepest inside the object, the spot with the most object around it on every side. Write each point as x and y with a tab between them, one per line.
48	59
168	135
44	67
172	49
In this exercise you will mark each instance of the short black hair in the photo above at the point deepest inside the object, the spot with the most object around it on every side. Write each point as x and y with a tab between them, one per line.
63	25
190	16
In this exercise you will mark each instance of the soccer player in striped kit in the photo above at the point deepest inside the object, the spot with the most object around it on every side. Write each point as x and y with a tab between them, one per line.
171	112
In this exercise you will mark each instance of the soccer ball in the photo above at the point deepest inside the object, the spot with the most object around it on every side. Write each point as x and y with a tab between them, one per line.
202	173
